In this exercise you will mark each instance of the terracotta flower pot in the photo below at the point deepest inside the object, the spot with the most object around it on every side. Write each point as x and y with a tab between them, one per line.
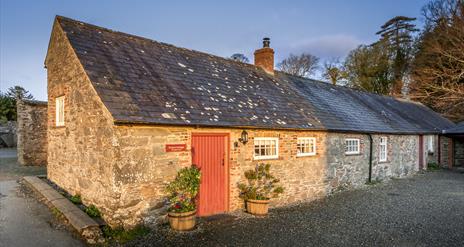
182	221
257	207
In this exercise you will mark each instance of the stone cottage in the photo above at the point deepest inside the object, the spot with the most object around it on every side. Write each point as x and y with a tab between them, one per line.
126	112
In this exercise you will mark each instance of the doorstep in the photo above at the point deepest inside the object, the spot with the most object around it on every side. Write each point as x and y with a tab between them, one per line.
87	227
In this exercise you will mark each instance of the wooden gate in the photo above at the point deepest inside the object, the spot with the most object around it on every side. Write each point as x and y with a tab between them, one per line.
210	154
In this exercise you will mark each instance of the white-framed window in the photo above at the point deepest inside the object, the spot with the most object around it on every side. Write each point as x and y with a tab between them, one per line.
266	148
59	111
306	146
352	146
383	151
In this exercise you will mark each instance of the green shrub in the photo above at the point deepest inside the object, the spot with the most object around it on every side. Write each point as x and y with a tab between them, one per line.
76	199
261	184
183	190
432	166
92	211
122	236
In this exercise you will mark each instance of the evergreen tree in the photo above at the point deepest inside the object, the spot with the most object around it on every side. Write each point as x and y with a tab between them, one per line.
8	102
397	34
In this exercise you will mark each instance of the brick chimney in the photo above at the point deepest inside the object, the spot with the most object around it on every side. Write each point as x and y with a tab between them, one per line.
264	57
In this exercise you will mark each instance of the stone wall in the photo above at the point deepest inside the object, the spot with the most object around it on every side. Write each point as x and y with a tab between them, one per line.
351	171
144	167
459	152
81	155
445	155
32	132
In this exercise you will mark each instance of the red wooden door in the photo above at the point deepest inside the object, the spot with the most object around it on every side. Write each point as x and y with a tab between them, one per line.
421	152
209	153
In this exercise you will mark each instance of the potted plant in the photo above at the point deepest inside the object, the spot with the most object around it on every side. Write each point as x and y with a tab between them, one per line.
181	198
261	186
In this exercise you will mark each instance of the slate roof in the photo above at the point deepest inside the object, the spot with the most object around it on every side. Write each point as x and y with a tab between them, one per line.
148	82
456	130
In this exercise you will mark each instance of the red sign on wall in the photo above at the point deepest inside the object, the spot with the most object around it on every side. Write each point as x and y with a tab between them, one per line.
176	147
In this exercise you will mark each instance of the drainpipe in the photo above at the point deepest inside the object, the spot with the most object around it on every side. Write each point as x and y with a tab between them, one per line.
439	149
370	157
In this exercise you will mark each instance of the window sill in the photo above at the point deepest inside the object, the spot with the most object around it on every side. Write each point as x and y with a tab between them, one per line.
262	158
305	155
352	154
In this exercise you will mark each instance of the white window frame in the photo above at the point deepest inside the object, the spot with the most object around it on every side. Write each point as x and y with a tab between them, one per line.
306	141
358	145
59	111
383	148
263	139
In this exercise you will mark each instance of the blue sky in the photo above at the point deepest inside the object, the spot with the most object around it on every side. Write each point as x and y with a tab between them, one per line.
324	28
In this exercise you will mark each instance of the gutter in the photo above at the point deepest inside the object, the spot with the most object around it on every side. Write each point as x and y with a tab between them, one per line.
148	123
370	156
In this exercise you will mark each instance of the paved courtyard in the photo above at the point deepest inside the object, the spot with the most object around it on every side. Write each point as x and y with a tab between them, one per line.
24	221
425	210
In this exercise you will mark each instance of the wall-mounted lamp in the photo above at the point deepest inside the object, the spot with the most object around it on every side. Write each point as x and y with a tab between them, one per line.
243	137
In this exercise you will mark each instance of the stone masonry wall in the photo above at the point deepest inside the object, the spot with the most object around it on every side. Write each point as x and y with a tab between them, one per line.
144	168
351	171
445	146
32	132
458	152
452	152
81	155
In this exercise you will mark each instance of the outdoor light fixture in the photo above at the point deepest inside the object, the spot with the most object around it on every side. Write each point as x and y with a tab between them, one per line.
244	137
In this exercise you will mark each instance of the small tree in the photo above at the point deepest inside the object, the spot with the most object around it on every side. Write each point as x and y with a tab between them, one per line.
303	65
261	185
334	71
367	68
8	102
239	58
7	108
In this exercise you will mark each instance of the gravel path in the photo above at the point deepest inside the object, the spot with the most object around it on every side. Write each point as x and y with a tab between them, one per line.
425	210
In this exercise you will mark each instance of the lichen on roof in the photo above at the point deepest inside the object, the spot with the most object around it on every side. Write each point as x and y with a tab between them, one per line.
145	81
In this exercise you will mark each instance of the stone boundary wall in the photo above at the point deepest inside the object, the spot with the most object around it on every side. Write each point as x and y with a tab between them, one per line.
32	132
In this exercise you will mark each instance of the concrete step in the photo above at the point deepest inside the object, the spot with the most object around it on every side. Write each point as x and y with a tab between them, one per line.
79	220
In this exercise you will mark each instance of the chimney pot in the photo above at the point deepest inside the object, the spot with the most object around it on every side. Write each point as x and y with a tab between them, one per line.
264	57
266	42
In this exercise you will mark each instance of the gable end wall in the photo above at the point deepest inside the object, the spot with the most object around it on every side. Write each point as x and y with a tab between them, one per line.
81	153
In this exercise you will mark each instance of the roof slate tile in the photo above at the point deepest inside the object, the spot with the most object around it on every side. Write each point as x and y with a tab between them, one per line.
144	81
